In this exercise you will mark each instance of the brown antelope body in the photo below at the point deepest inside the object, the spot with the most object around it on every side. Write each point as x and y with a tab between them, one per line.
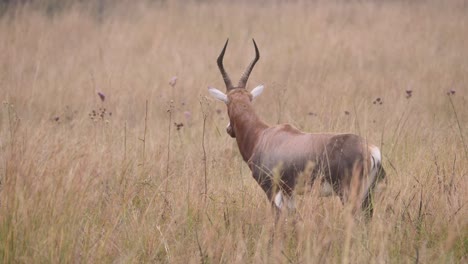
344	161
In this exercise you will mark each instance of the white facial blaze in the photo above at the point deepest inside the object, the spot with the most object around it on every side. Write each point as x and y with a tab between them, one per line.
257	91
218	94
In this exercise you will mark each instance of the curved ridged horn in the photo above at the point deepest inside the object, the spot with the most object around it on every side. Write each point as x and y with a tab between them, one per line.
245	76
226	78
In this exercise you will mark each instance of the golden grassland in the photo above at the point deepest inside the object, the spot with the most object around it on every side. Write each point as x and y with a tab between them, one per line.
124	185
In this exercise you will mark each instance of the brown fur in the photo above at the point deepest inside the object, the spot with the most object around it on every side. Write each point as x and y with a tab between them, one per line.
343	160
338	158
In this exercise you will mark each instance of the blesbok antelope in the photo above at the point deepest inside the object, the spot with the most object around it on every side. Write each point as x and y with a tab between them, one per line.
344	162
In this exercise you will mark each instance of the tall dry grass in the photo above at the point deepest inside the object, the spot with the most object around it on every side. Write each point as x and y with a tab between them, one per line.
112	186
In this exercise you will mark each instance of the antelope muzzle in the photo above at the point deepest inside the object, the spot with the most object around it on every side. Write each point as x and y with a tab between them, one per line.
230	130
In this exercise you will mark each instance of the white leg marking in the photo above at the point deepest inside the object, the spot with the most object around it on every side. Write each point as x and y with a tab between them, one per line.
291	203
279	200
326	189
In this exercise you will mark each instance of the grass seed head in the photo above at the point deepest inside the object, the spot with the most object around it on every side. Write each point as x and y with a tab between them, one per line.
101	96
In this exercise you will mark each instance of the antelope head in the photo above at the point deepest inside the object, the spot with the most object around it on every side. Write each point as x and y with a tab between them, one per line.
236	93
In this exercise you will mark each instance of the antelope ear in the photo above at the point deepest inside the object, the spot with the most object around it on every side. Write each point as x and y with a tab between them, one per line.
257	91
218	94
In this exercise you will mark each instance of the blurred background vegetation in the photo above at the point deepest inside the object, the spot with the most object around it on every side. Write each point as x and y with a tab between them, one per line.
95	166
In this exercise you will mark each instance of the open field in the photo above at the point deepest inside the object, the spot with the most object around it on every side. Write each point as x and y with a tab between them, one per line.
125	185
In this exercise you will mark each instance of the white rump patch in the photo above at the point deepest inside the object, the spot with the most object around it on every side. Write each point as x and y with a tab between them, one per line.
376	161
218	94
376	158
257	91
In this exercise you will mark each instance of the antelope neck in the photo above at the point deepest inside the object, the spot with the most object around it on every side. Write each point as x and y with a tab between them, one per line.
247	125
